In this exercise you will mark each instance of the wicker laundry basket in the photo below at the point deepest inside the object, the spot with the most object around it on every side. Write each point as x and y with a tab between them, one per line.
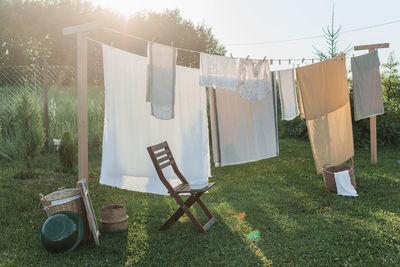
66	199
328	171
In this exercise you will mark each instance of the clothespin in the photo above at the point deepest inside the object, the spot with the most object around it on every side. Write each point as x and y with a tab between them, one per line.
247	57
289	61
279	61
264	58
312	61
271	61
231	55
302	60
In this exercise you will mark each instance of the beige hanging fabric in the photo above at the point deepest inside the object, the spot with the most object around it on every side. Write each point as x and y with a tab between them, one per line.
324	103
323	87
331	137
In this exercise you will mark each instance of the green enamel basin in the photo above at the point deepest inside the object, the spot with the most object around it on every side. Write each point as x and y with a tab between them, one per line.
61	232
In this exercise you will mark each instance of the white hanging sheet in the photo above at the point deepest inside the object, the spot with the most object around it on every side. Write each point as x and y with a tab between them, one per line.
129	128
367	86
218	71
288	94
242	130
161	80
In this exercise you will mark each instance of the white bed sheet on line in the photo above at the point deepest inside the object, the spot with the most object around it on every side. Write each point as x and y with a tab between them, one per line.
129	128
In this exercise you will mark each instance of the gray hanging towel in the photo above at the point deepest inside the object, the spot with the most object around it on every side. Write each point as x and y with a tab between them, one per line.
367	86
160	91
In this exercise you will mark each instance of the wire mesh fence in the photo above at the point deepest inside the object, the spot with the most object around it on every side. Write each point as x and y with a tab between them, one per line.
32	76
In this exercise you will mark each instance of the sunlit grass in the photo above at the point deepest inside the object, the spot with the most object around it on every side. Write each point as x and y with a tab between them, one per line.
300	223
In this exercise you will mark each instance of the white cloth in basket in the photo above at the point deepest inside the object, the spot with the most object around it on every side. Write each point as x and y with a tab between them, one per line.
343	184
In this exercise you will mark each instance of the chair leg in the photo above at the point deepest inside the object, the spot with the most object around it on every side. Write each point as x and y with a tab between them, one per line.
194	220
204	208
178	213
185	208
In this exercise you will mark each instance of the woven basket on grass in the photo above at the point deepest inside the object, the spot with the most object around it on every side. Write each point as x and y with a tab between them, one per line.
328	171
69	199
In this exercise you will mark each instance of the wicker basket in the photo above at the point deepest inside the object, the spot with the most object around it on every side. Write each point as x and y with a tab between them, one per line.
69	199
328	171
114	218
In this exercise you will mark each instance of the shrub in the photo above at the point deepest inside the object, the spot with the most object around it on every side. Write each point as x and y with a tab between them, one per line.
30	132
67	152
295	128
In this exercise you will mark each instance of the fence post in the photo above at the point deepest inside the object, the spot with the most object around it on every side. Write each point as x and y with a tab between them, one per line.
45	102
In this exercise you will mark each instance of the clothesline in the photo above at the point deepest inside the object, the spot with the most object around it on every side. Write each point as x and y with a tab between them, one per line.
289	60
271	60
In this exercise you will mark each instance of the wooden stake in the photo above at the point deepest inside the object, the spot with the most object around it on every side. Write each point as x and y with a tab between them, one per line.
45	103
372	119
82	106
81	33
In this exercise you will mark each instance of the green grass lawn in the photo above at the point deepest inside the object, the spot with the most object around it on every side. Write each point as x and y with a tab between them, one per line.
300	222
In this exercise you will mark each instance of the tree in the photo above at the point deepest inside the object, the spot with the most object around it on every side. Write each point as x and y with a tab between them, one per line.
31	32
391	81
331	36
30	132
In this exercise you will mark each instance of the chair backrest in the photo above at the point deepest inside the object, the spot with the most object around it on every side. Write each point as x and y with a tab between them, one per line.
161	157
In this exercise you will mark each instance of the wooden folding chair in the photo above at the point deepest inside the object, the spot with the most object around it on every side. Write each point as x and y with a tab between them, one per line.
162	157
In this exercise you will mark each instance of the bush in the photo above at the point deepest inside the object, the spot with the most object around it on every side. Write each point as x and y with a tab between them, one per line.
67	152
295	128
30	132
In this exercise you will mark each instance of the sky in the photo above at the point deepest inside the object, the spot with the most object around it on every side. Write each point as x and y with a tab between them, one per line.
236	22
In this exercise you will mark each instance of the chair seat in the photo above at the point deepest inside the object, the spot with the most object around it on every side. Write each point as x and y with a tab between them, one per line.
185	188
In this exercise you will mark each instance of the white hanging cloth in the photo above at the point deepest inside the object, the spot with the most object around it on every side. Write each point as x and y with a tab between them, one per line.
343	184
129	128
367	86
161	80
288	94
218	71
242	130
254	79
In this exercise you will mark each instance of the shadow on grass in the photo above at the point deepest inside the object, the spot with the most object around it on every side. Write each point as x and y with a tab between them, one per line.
183	245
302	223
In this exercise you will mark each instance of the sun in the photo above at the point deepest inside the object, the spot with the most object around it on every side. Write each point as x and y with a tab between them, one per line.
124	7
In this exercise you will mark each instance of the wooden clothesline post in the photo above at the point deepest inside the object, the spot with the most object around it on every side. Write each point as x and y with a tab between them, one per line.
372	119
46	103
81	34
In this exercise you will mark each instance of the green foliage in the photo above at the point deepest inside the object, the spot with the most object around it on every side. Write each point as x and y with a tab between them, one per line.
332	38
30	33
295	128
67	152
391	82
30	133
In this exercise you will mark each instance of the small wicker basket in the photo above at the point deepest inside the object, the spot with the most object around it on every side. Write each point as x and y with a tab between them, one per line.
114	218
328	171
63	199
